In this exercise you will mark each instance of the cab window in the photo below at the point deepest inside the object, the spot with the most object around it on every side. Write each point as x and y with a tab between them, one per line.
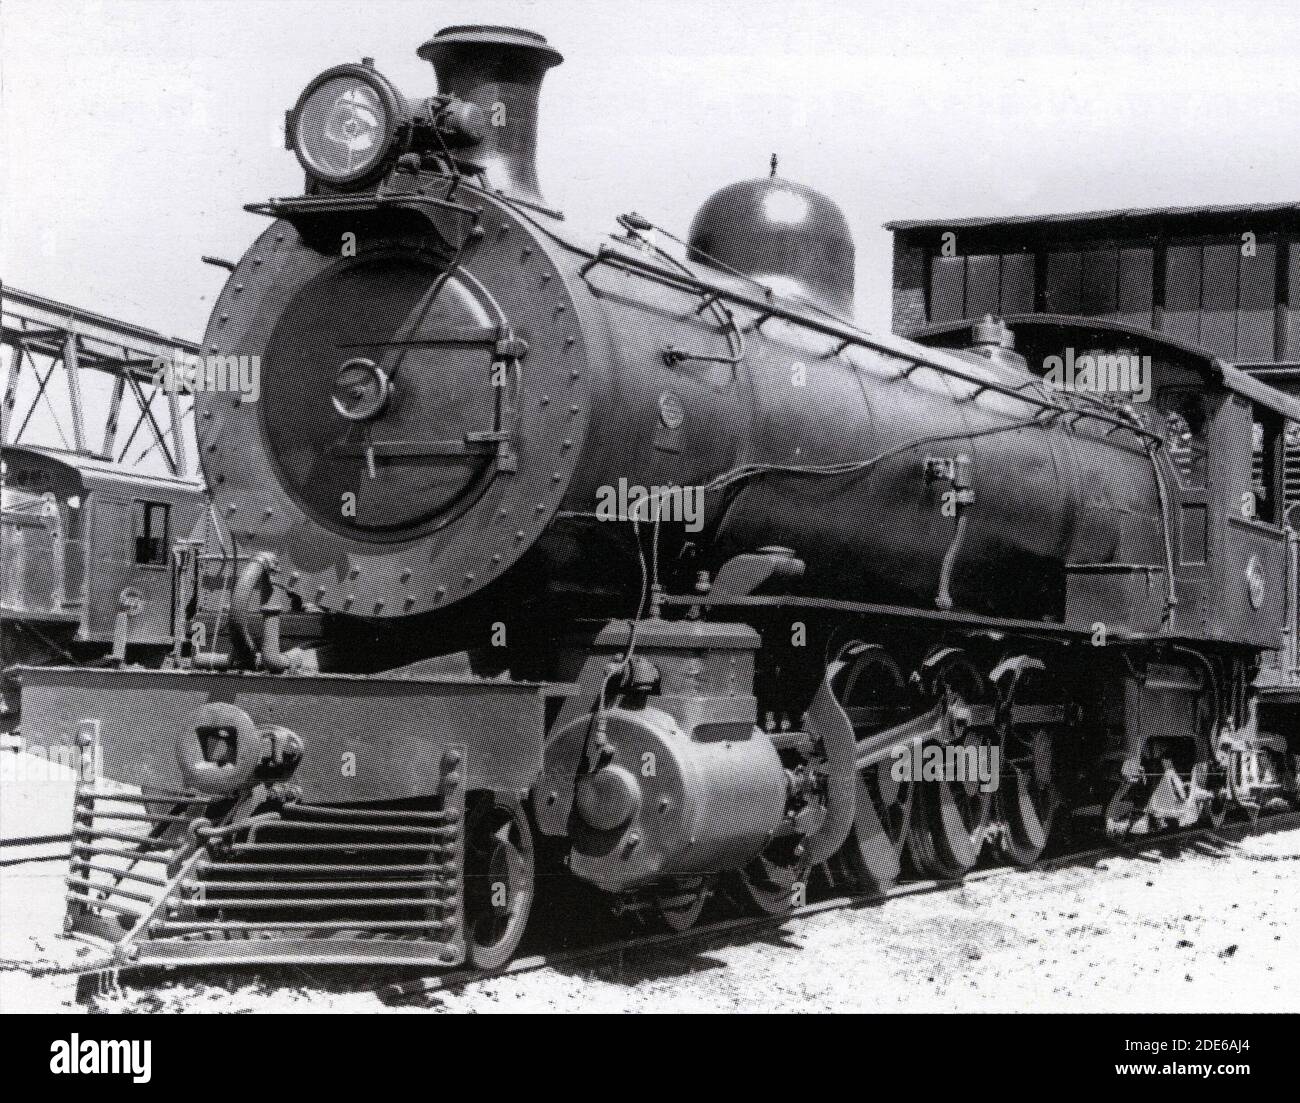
1186	432
1267	441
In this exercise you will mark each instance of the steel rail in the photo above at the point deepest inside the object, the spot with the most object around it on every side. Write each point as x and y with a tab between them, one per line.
727	930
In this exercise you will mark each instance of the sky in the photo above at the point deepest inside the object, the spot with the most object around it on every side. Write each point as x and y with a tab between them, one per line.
132	132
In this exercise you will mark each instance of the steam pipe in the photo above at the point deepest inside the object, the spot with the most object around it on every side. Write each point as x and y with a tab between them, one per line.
256	575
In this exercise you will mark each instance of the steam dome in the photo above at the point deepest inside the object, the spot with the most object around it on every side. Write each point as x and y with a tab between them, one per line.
787	236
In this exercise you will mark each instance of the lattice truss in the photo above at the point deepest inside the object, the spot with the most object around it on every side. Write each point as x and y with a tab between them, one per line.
86	384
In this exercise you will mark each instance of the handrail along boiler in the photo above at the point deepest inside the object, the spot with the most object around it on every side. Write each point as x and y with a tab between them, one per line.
897	547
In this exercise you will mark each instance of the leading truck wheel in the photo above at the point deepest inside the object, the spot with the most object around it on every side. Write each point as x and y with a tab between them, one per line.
500	876
676	908
773	883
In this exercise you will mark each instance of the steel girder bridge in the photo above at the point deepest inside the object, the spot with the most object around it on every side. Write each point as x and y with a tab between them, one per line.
87	384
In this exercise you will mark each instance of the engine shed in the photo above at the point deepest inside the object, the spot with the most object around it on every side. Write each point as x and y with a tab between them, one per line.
1226	279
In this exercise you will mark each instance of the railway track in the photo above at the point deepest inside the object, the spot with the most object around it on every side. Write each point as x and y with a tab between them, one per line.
732	930
99	975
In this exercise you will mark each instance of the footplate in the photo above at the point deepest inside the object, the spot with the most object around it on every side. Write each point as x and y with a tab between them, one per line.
173	878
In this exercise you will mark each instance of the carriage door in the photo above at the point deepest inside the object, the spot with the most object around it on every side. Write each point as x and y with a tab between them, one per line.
151	541
129	568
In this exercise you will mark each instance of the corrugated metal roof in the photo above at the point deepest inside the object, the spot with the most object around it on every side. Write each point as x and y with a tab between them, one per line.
1094	216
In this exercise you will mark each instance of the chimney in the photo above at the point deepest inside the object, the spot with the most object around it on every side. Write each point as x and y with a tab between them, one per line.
501	70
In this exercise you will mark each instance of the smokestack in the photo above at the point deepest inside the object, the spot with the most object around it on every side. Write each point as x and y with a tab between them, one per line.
501	70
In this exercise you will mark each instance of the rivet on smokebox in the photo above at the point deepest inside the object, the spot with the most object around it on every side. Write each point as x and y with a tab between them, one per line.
406	575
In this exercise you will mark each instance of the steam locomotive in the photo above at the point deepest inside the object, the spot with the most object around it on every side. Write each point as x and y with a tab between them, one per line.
651	570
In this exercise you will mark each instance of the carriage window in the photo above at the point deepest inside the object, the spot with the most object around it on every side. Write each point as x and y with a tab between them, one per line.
152	520
28	478
1185	432
1266	443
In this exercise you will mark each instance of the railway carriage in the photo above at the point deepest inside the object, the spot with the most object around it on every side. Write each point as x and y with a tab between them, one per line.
832	553
86	561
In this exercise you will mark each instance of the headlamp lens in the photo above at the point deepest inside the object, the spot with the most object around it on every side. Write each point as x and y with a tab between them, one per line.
342	129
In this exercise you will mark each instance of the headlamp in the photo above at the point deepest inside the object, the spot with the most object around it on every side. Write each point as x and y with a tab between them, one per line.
347	125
